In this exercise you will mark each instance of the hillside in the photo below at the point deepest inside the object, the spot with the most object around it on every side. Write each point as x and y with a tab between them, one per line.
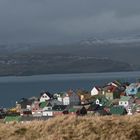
82	57
30	64
73	128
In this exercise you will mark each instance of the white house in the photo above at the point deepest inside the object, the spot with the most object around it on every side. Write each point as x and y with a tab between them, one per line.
47	111
45	97
126	101
66	100
71	98
95	91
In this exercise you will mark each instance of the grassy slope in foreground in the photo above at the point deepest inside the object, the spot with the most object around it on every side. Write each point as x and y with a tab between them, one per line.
73	128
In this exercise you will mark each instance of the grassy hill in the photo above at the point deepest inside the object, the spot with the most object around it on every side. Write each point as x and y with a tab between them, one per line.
75	128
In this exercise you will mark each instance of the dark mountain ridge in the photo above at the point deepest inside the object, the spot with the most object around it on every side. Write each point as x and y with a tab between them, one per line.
96	56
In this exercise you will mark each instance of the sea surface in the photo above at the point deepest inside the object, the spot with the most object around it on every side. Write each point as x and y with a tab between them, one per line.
13	88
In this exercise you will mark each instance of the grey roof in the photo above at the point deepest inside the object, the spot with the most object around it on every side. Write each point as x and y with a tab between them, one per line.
55	102
59	107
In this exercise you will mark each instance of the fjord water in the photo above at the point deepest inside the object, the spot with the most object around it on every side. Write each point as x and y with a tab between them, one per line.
14	88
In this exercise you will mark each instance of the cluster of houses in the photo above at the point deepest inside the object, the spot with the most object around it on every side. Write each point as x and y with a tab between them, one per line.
115	98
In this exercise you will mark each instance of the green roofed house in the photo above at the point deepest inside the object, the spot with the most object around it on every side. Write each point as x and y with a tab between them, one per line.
9	119
118	110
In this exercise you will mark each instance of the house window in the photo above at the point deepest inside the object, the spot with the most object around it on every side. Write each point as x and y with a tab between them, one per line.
125	102
97	101
121	103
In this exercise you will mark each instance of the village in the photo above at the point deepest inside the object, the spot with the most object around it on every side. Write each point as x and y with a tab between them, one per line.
114	98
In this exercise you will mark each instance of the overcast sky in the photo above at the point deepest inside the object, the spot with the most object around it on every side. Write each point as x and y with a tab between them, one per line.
59	21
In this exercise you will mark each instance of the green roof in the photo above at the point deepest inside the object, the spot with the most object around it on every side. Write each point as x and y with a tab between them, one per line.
72	110
109	104
117	110
125	98
43	104
12	118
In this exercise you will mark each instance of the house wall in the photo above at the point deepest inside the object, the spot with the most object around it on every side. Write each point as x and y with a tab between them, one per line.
109	95
57	113
126	103
74	99
66	100
47	113
123	103
94	91
137	101
37	113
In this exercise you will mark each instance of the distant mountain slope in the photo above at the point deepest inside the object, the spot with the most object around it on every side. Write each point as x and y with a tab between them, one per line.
94	56
50	64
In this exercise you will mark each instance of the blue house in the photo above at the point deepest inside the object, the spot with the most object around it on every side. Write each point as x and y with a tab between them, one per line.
133	89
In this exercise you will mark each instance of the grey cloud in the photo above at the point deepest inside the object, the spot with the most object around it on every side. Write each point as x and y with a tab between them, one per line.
56	21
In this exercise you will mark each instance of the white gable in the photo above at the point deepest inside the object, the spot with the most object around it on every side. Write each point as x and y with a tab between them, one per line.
97	102
94	91
44	97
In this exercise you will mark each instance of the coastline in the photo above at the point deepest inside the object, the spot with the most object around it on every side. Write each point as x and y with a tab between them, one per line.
70	76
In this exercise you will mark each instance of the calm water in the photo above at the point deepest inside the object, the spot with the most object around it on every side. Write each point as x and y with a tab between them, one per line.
14	88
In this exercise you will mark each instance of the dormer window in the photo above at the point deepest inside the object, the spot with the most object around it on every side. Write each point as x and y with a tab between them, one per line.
97	101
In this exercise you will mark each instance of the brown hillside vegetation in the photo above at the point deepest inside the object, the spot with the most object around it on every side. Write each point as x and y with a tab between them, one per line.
75	128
